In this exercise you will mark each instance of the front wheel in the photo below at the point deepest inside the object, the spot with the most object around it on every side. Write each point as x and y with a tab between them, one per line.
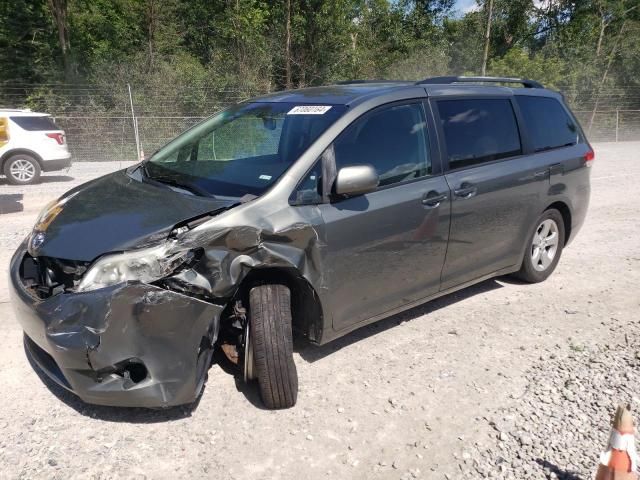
22	169
269	346
544	248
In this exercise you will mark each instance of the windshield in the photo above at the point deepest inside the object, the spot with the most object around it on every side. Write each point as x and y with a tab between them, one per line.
243	150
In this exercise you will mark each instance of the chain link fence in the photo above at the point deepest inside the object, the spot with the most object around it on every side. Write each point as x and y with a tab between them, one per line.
610	125
119	123
114	138
110	124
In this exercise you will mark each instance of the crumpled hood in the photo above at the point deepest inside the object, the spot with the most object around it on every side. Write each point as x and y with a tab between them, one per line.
114	213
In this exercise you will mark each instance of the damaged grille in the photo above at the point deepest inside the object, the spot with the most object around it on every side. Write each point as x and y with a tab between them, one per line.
46	276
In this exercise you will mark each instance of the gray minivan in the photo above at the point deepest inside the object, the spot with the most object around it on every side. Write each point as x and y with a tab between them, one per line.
312	211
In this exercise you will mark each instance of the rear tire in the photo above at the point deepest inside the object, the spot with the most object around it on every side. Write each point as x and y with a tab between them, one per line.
272	344
21	169
544	248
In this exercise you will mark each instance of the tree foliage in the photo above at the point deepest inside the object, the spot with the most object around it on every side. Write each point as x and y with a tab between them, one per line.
183	47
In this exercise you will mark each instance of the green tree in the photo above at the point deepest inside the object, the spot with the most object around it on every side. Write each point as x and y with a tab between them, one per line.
181	54
27	42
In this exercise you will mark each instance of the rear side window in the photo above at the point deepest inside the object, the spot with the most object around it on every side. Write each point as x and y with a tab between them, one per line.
479	130
35	123
548	123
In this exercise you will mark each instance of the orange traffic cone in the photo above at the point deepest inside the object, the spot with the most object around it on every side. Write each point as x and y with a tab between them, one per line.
620	461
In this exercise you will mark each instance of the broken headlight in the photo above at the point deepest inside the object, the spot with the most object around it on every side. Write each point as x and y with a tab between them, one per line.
145	265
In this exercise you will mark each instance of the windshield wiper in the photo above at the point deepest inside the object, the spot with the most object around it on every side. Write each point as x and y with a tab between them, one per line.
551	147
145	170
188	187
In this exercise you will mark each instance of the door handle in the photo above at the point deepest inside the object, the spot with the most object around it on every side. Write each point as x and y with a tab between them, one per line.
541	173
466	190
433	199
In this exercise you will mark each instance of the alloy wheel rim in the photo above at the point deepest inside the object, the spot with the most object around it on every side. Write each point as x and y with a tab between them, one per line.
22	170
249	363
544	245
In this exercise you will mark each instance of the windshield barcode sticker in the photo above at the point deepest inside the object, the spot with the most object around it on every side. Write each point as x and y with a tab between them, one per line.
309	110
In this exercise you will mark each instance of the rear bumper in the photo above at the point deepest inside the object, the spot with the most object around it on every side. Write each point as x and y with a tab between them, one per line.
131	345
56	164
579	213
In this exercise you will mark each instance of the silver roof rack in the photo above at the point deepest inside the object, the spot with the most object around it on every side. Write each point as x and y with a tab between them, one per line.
449	80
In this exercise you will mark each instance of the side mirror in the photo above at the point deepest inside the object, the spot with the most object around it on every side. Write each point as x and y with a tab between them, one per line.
355	180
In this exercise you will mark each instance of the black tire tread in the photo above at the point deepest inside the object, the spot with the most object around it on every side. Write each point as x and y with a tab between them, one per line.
270	317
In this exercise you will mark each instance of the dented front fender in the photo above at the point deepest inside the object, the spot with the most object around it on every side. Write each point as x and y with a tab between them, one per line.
95	337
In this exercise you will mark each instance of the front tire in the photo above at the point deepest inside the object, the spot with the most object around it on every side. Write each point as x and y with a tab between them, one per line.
544	248
21	169
272	345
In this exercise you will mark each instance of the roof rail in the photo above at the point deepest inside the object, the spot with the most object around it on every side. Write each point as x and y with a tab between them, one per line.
359	82
446	80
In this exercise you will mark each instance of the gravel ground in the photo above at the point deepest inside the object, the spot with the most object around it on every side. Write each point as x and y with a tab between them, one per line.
499	380
562	418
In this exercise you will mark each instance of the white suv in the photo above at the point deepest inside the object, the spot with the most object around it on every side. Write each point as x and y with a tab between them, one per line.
30	143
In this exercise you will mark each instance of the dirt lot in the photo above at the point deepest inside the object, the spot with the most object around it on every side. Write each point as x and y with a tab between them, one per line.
442	391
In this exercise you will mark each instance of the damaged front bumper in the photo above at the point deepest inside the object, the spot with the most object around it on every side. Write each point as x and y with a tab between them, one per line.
130	345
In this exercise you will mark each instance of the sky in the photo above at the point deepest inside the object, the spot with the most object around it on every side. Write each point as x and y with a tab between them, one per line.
465	6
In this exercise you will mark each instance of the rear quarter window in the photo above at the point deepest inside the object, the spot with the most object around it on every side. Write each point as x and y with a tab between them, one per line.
548	123
479	130
35	123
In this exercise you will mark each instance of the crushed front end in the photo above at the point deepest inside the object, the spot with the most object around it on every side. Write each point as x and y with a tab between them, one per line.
131	344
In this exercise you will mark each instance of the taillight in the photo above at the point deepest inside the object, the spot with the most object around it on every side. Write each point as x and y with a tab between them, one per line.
58	137
589	157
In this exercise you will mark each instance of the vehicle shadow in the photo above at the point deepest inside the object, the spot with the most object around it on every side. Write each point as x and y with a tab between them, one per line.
249	390
56	178
312	353
43	179
11	203
511	280
115	414
557	471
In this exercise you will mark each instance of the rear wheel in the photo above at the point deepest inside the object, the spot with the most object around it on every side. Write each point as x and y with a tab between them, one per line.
544	248
269	346
22	169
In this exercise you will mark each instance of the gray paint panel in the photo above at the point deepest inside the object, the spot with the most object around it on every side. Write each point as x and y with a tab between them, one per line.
384	249
489	229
